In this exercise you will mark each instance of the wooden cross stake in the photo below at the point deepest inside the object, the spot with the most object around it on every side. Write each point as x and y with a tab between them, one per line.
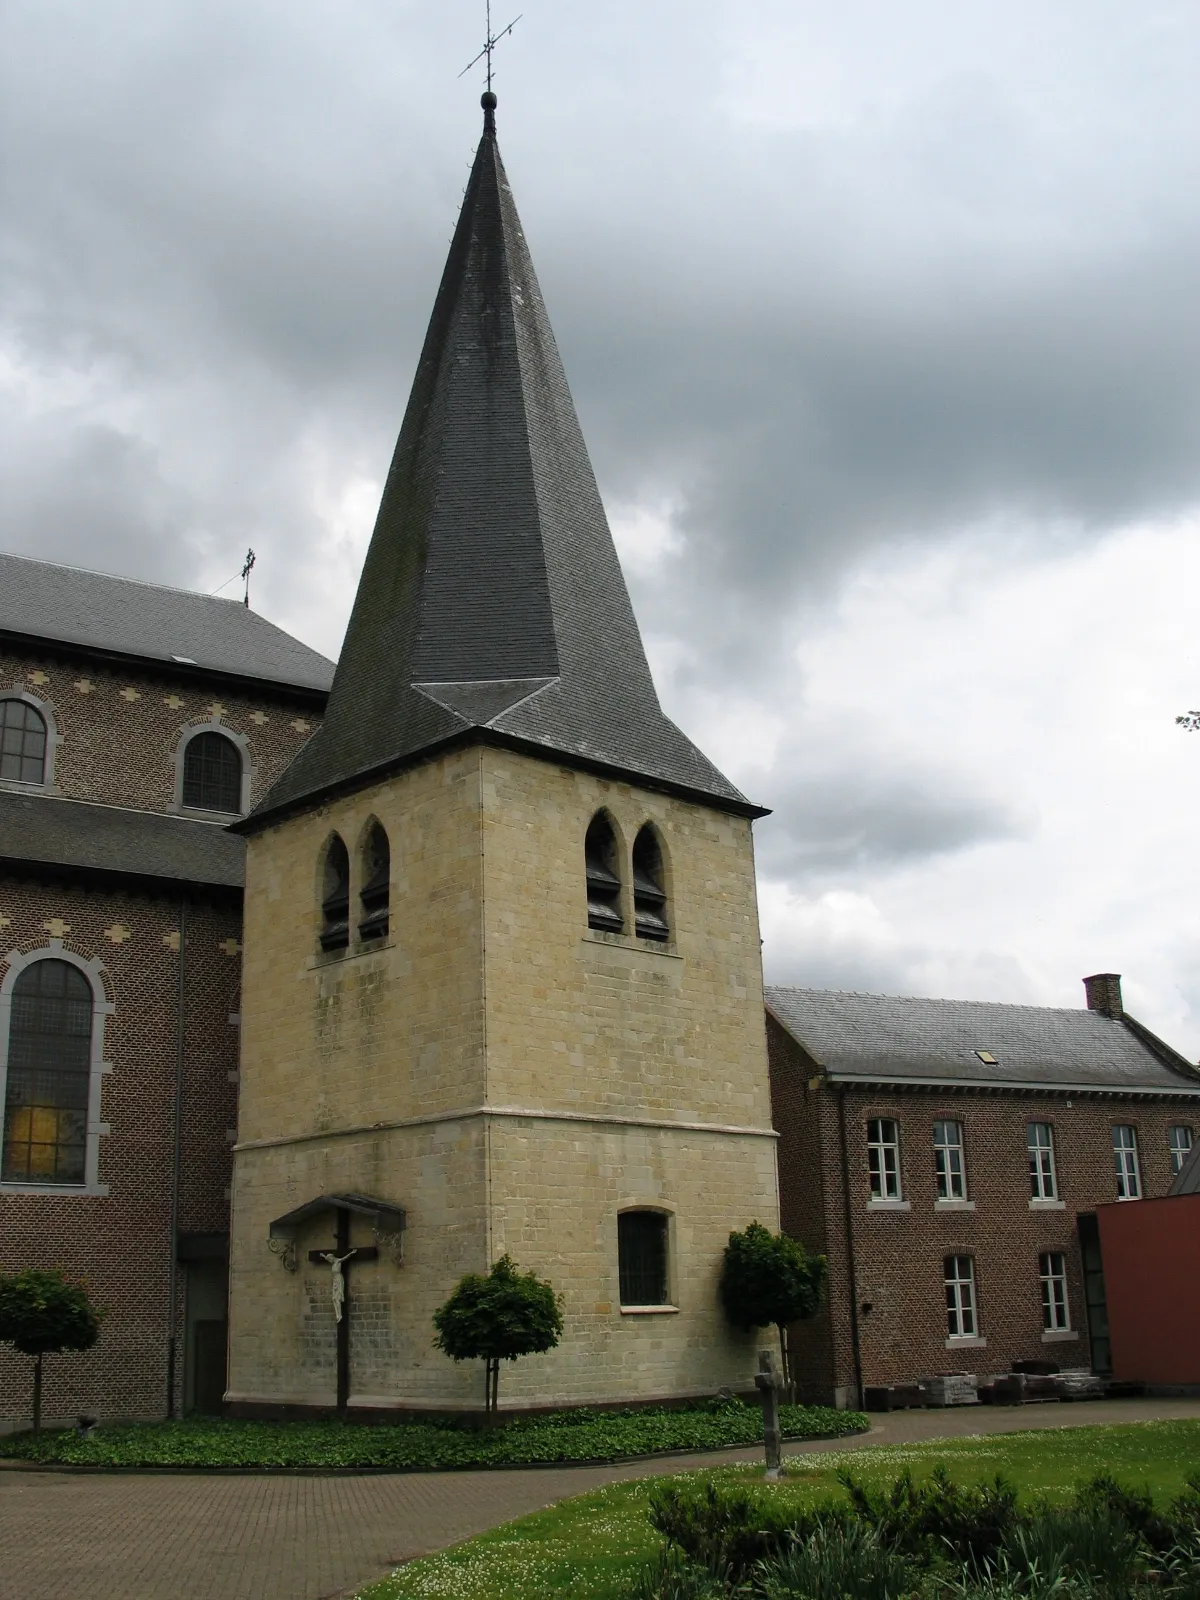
339	1260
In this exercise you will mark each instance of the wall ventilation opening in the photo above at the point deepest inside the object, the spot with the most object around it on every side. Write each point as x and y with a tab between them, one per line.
335	897
377	885
603	877
649	892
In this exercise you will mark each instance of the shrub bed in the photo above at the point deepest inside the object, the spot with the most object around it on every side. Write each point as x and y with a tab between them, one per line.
566	1436
929	1541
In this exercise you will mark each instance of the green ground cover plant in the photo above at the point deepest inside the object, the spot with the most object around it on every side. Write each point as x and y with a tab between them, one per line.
565	1436
604	1546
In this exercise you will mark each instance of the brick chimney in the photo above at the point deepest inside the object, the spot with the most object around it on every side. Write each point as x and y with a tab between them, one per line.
1104	994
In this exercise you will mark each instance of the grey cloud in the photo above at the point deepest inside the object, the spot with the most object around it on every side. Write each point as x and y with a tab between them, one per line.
826	340
865	816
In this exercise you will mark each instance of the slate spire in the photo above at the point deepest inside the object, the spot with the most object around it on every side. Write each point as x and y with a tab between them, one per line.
491	604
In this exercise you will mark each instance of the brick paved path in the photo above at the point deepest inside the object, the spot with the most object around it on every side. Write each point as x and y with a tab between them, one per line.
70	1536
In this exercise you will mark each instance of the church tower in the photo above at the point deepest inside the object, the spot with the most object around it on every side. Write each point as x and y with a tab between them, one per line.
502	986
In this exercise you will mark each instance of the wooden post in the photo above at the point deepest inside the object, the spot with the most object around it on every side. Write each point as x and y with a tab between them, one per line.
767	1382
343	1327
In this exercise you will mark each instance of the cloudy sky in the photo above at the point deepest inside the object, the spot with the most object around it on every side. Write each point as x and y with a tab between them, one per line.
881	321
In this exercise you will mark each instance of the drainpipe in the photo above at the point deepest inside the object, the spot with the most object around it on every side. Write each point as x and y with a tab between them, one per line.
848	1209
176	1152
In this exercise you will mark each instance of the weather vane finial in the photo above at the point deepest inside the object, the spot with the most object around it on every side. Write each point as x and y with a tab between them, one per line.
493	39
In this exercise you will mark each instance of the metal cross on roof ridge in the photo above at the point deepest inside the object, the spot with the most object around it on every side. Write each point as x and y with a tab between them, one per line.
493	39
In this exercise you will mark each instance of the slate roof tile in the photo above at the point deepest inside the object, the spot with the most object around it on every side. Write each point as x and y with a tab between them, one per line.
491	597
39	599
71	833
874	1037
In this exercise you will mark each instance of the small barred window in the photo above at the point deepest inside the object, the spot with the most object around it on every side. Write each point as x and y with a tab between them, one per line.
642	1252
335	897
603	872
49	1075
649	888
212	773
375	893
22	742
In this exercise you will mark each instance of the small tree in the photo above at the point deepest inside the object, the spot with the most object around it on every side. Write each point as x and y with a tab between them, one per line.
41	1314
498	1317
768	1278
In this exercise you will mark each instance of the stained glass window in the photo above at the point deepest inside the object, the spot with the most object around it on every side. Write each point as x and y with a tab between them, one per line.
49	1071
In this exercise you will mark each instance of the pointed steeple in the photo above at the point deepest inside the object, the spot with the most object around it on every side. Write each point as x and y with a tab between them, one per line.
491	604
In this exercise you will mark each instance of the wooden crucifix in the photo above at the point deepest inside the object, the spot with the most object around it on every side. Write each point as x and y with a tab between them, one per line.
338	1260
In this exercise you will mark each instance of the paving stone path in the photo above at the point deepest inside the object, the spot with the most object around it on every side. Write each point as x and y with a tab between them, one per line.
67	1536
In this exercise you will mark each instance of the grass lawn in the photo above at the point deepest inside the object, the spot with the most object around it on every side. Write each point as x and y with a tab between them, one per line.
566	1436
590	1548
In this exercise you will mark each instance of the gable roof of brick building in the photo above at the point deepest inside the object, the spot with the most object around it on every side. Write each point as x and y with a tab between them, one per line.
912	1042
150	622
492	606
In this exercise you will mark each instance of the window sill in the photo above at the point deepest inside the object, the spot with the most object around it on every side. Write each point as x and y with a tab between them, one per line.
57	1191
889	1205
1122	1199
965	1341
1059	1335
203	814
626	941
954	1205
1047	1205
649	1311
354	952
15	786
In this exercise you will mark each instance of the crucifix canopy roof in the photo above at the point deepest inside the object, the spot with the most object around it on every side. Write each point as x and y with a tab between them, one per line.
385	1217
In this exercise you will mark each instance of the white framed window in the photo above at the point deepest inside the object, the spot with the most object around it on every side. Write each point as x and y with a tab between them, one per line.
959	1275
1043	1179
1180	1139
52	1016
948	1163
1056	1312
883	1158
1125	1159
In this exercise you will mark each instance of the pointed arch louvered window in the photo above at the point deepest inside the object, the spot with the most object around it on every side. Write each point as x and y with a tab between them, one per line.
649	888
375	893
602	866
335	897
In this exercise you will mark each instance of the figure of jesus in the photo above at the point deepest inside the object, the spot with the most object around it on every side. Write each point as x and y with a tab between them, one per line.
337	1288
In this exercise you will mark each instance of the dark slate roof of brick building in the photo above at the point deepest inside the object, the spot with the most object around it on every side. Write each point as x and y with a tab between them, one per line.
888	1038
41	600
491	603
45	831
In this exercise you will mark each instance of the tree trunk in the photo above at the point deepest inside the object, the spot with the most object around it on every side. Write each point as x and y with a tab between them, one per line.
785	1354
491	1381
37	1393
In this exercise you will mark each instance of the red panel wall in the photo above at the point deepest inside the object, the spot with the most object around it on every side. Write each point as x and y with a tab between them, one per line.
1151	1251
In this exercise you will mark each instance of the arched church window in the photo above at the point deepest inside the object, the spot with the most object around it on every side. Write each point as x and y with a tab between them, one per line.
602	867
642	1258
22	742
212	773
649	887
335	897
49	1075
376	891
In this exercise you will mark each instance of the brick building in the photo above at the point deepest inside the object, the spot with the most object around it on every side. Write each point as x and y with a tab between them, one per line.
948	1157
135	723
